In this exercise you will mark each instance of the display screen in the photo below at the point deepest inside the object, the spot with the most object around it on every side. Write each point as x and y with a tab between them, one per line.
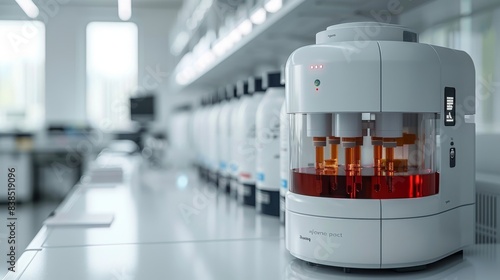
449	106
142	108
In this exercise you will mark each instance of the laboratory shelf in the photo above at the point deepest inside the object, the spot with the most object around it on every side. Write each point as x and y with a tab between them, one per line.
295	25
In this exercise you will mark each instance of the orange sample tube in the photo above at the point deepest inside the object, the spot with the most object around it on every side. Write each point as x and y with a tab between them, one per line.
319	144
377	156
333	162
357	157
389	160
320	157
389	166
334	153
377	166
349	159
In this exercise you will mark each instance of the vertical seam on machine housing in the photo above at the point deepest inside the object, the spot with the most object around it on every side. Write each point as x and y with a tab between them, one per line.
380	201
380	75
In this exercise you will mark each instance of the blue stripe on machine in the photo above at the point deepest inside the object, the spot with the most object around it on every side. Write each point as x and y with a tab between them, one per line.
260	176
234	167
222	165
284	183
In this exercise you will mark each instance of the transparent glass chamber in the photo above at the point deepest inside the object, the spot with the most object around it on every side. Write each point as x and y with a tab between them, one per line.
381	156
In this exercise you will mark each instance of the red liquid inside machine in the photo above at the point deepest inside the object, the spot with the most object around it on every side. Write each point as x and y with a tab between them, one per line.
364	184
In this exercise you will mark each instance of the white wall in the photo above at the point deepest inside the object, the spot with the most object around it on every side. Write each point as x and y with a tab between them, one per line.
474	19
65	54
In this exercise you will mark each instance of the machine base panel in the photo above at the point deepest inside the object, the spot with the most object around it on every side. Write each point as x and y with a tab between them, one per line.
268	202
248	197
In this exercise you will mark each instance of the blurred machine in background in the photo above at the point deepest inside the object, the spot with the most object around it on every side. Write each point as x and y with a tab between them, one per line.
15	152
142	108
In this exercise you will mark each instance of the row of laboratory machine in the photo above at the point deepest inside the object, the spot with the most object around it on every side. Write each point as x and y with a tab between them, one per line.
239	134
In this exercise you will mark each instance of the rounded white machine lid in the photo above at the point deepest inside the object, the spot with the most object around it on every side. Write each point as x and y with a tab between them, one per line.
366	31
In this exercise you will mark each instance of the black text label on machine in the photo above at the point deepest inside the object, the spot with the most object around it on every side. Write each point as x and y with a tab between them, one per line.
328	234
305	238
449	106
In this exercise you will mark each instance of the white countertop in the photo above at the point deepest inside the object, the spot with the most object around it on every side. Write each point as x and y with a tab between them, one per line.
263	258
164	228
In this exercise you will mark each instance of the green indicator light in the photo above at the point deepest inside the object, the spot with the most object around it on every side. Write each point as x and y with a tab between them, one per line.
317	82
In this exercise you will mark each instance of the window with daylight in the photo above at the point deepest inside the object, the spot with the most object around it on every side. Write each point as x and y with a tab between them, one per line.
479	35
22	74
112	67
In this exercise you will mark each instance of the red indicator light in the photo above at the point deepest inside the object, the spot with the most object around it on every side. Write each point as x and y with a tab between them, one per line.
318	66
317	89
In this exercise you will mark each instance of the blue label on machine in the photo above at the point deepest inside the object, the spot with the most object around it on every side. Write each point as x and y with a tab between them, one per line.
260	177
284	183
222	165
233	167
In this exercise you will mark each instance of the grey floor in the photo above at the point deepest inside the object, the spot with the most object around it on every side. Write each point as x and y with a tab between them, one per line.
30	217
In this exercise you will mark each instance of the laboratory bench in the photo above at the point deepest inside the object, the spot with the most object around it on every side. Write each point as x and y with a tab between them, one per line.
166	224
47	164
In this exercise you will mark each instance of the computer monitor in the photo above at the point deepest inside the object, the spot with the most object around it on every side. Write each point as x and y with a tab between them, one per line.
142	109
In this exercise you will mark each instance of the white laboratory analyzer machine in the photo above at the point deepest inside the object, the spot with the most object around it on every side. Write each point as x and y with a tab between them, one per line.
224	144
391	123
233	141
245	140
267	199
284	158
